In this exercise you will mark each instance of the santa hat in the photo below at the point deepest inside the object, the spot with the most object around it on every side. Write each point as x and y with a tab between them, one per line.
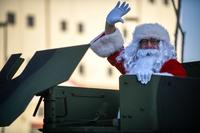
150	30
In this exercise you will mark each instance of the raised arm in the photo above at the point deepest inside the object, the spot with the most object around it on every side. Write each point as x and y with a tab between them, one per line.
115	16
111	40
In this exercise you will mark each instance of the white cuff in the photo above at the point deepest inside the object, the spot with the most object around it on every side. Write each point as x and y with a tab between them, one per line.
164	74
105	45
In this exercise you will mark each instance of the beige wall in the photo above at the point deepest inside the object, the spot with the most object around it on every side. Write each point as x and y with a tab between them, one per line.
1	47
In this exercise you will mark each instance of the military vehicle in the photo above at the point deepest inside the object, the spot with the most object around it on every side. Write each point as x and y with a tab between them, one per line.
165	104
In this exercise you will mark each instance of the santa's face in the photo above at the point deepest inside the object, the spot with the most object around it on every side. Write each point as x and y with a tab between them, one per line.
150	43
146	60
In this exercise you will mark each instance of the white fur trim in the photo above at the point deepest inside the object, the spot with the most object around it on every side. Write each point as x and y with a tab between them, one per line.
149	30
164	74
106	45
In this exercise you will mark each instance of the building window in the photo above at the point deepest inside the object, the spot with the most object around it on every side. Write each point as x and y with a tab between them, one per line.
125	32
152	1
11	18
30	21
81	69
166	2
110	71
41	111
63	25
80	28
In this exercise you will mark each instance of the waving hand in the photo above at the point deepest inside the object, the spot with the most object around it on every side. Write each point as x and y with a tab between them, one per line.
117	13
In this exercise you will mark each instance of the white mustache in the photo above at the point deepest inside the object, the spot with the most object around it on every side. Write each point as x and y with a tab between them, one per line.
147	52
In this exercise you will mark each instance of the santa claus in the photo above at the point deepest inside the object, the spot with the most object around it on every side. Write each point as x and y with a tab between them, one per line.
150	51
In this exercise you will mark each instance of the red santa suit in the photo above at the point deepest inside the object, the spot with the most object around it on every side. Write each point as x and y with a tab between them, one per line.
111	46
171	66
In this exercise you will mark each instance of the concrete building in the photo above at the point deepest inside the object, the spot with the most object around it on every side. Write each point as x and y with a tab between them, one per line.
27	26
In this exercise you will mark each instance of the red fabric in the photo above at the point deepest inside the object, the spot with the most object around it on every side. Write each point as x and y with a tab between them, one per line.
117	64
174	67
171	66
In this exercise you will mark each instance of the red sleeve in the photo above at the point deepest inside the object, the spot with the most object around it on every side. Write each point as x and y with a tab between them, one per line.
118	64
174	67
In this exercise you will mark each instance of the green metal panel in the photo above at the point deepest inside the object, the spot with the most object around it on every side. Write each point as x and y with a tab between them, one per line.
84	129
70	107
46	68
165	104
138	104
6	75
178	104
10	68
192	68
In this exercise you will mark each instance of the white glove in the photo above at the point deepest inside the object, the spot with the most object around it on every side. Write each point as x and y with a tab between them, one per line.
116	13
144	76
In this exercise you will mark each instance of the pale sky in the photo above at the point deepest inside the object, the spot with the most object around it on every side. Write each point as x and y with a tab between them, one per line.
190	18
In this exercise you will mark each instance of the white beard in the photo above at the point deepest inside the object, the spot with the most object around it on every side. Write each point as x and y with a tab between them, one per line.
147	59
145	63
151	59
